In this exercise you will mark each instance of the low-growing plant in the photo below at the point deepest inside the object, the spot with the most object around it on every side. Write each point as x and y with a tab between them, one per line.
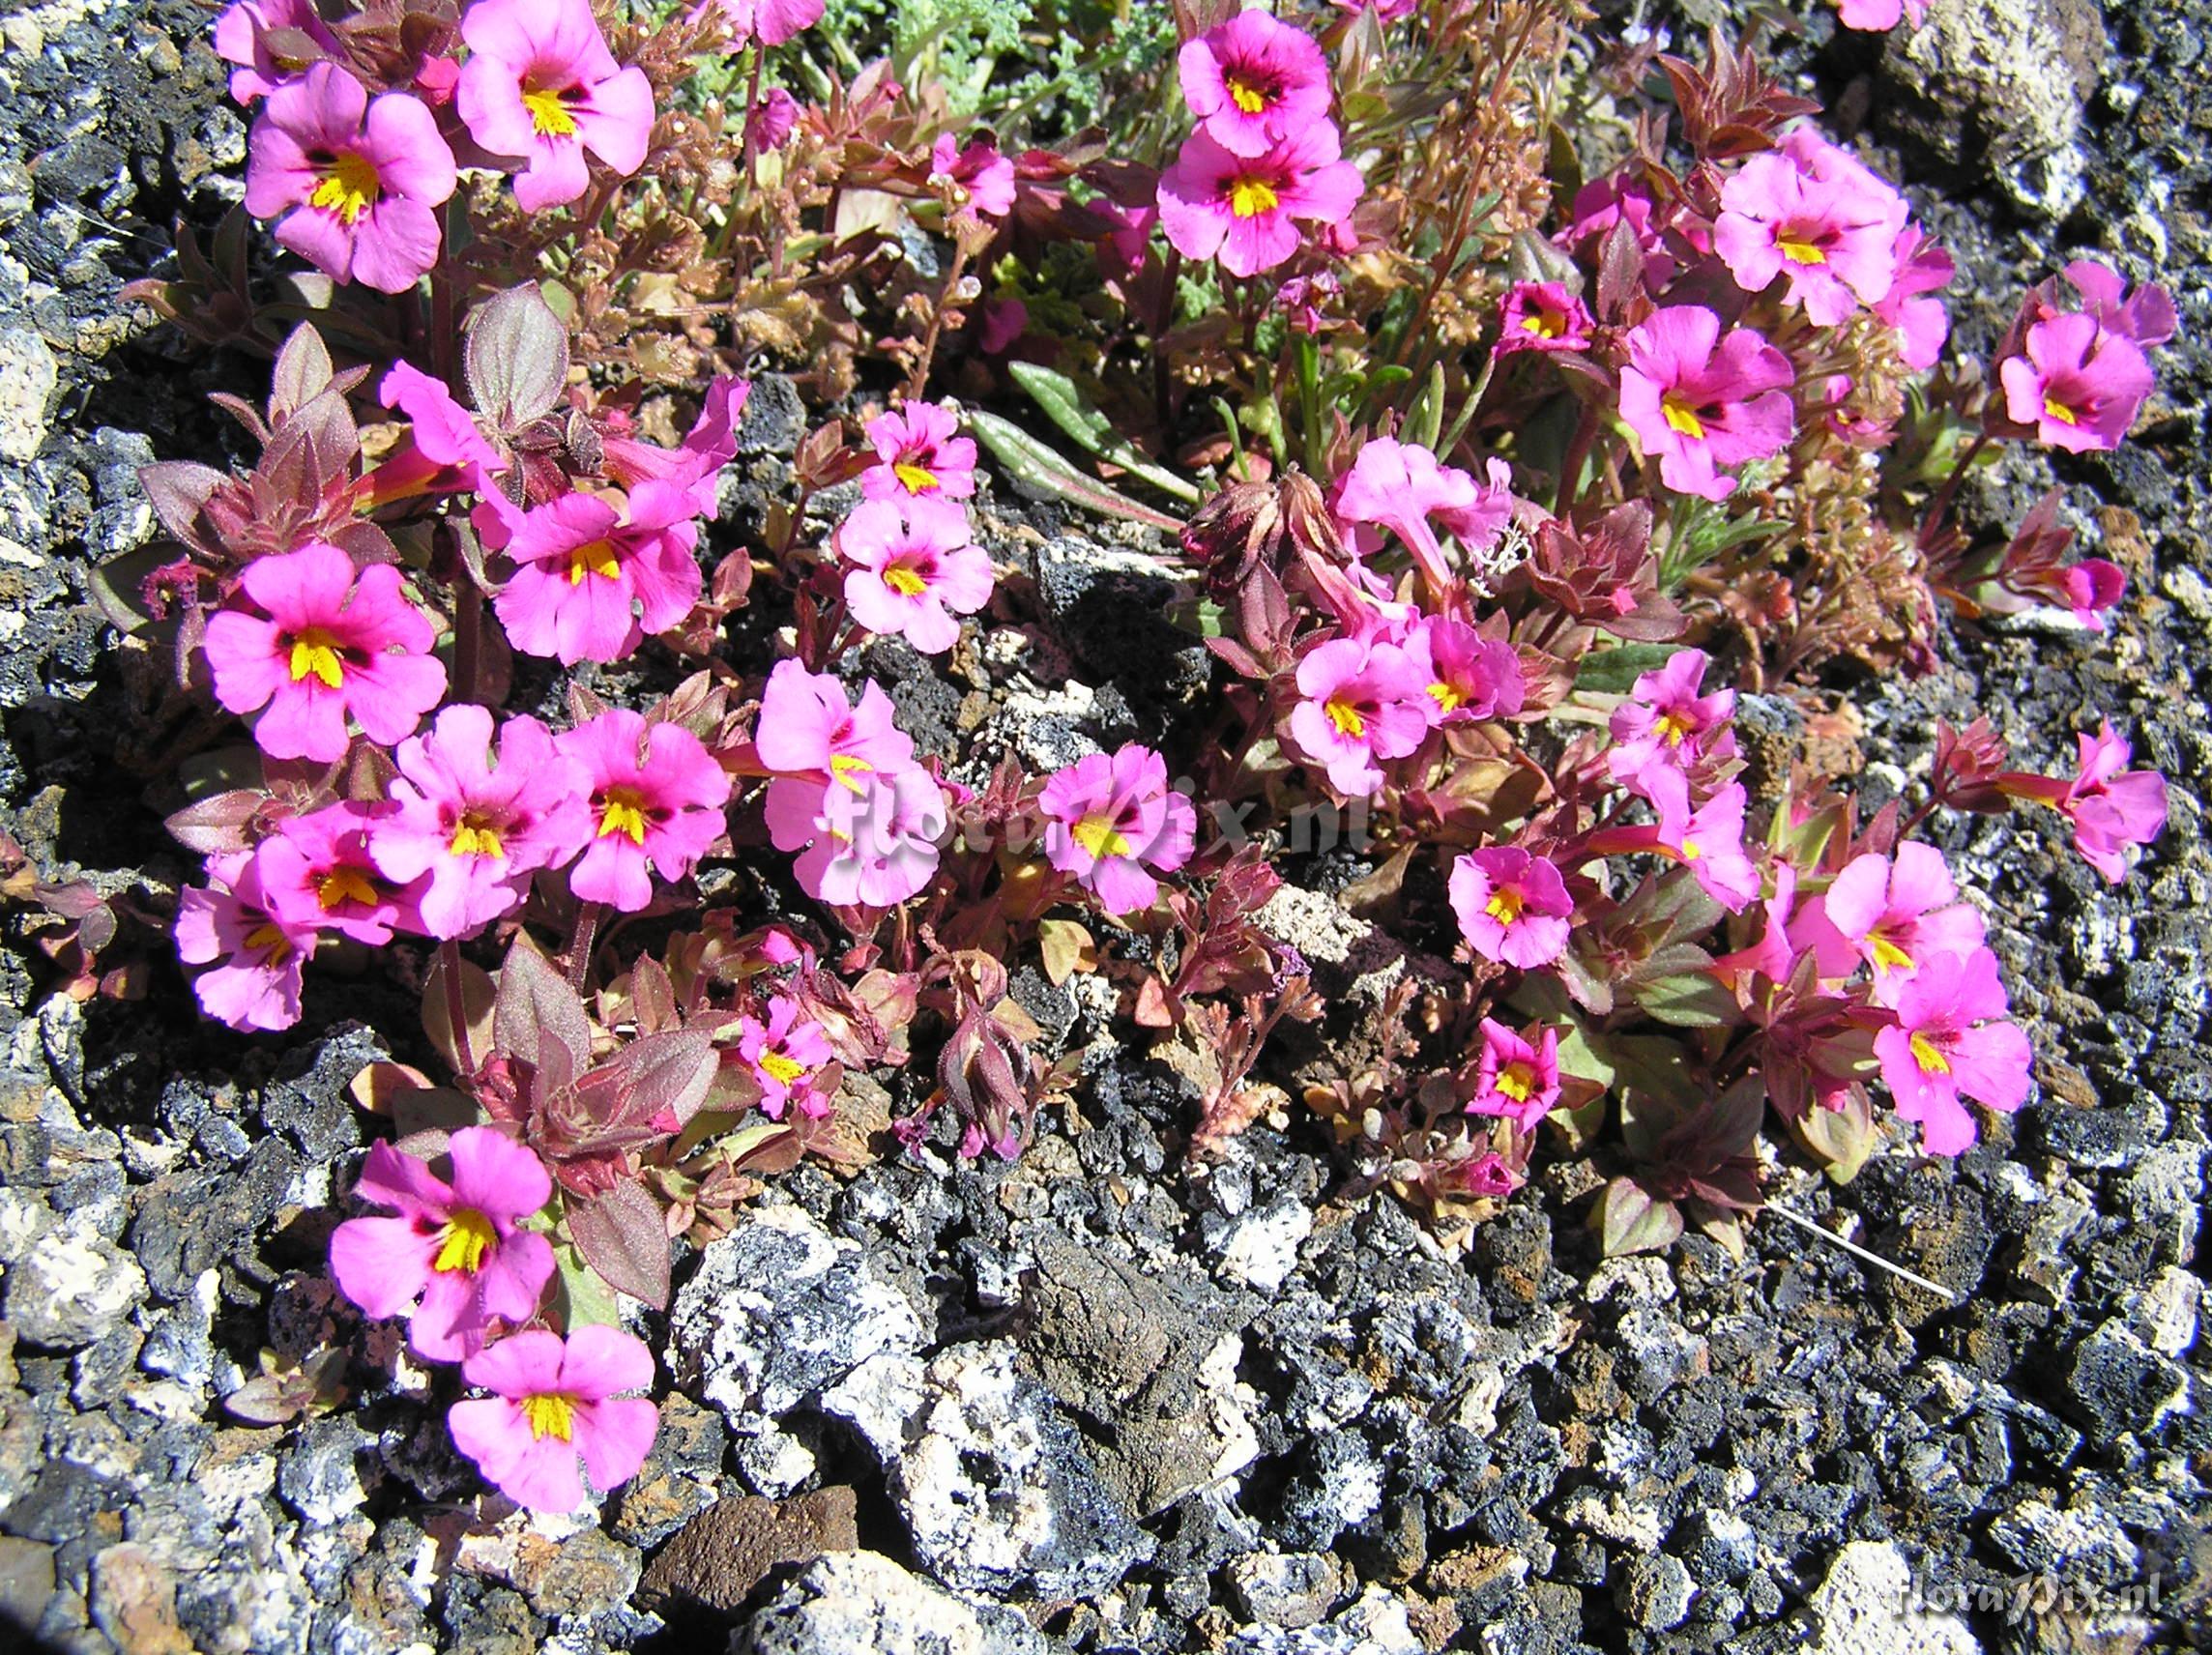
1500	484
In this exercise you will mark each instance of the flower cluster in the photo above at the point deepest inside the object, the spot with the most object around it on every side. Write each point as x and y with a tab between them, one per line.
1503	531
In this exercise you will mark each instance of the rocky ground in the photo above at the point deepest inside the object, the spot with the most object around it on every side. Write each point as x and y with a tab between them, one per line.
1088	1402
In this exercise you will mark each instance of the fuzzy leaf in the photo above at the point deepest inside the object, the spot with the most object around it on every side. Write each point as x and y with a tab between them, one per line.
1614	671
303	369
1042	473
1687	999
516	359
476	997
660	1074
1629	1220
536	1000
623	1235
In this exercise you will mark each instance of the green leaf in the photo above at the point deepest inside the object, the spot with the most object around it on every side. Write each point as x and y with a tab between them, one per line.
1688	1000
1425	419
1614	671
1629	1220
580	1298
1062	399
1042	473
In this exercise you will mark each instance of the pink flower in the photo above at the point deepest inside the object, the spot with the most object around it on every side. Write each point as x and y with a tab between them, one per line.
1401	486
542	86
458	1248
1109	820
1880	16
1253	81
2111	807
2077	385
1922	324
1246	209
258	36
980	179
554	1401
592	582
2089	587
2146	316
257	984
444	431
1701	402
1951	1039
1364	702
1543	316
774	117
771	23
695	465
806	728
479	830
1816	218
329	646
1895	916
1776	953
1669	722
1470	676
317	871
919	455
913	569
1515	1078
1512	907
784	1055
1488	1173
1709	841
877	847
358	182
656	797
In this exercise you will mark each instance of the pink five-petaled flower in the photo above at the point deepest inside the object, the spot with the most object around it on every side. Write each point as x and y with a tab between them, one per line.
541	87
695	464
1363	702
358	182
1818	219
1401	486
1894	914
656	797
327	645
1701	402
784	1055
1922	323
877	847
2077	384
1246	209
1543	316
456	1248
771	23
1951	1038
592	582
918	454
2111	807
1110	819
253	35
1253	81
554	1400
1470	676
1512	907
1515	1078
2145	315
479	830
1708	840
914	568
232	920
317	871
812	738
1669	722
978	178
